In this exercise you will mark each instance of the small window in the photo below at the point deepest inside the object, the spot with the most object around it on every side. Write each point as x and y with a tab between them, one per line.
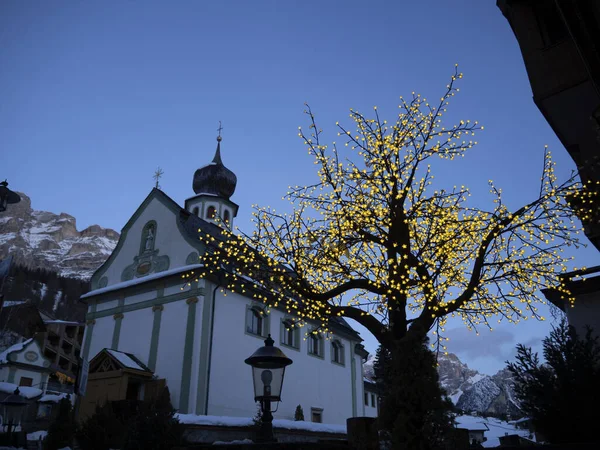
366	399
196	211
290	334
226	216
337	352
255	321
316	415
315	345
211	212
25	381
373	400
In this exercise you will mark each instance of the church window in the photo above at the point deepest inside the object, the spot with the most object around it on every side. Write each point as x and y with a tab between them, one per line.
366	399
196	211
226	216
211	212
315	345
255	321
337	352
290	334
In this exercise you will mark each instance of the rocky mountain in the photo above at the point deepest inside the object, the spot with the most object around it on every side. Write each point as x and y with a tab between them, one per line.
473	392
40	239
470	390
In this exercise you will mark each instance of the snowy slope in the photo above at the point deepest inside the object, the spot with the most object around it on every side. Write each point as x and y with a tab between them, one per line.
41	239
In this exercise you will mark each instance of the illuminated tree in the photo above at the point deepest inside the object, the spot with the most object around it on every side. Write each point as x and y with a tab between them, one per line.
375	239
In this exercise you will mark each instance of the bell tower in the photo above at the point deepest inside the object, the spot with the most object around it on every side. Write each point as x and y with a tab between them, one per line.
213	185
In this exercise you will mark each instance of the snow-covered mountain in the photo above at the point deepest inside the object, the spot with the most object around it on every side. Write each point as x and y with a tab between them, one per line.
40	239
470	390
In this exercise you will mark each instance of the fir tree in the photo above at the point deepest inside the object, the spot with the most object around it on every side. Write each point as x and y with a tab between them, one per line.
155	426
561	397
299	414
102	430
381	368
62	428
415	408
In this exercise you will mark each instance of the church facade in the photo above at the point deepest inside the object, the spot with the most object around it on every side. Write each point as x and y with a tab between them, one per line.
195	337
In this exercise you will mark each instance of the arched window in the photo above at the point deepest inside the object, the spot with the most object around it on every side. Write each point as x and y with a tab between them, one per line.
337	352
289	334
226	216
315	345
211	212
255	321
196	211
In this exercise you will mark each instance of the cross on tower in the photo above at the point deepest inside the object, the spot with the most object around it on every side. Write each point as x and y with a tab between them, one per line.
219	130
159	172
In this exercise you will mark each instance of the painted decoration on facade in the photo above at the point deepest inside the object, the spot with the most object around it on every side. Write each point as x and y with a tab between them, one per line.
147	261
31	356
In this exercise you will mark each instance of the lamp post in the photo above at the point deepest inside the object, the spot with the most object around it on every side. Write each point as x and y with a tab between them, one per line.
7	196
12	407
268	368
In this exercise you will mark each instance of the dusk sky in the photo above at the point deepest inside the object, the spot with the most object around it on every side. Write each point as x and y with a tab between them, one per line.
96	95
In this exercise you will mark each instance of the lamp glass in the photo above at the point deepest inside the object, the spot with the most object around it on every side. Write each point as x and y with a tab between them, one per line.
272	378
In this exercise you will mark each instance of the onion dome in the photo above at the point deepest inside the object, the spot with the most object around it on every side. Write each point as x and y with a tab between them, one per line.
215	178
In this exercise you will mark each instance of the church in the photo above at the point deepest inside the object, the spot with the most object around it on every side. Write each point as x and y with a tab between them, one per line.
147	328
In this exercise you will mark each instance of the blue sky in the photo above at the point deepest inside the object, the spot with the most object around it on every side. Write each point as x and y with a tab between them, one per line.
97	95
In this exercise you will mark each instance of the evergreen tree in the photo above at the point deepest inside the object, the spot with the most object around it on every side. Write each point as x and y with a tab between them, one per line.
299	414
382	368
155	426
101	431
414	407
561	397
62	428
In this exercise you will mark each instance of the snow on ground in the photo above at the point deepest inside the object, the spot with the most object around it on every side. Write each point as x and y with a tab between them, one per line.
191	419
497	428
37	435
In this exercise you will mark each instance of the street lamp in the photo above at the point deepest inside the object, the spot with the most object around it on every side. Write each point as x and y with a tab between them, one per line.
12	409
7	196
268	368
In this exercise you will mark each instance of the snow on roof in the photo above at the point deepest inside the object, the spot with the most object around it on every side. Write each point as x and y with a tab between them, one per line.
471	423
37	435
66	322
125	359
52	398
191	419
15	348
25	391
13	303
495	428
137	281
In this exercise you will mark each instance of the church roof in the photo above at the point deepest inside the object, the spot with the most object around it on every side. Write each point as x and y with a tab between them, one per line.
215	178
118	360
193	226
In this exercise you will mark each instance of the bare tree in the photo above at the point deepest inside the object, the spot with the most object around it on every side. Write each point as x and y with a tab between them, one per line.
375	241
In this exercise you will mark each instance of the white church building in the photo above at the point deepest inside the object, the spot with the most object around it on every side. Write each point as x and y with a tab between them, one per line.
142	324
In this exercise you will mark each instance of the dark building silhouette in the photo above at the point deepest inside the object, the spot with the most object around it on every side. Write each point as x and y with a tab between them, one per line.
560	44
